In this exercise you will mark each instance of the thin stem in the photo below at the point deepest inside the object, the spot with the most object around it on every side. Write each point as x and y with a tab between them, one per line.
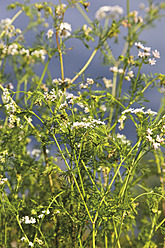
93	235
12	20
47	165
61	59
43	73
110	185
85	66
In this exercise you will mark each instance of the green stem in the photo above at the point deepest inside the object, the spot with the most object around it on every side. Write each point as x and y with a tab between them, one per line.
84	14
85	66
110	185
12	20
17	218
74	178
93	235
43	73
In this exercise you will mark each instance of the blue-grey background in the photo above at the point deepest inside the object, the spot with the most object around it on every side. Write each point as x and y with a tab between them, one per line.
76	58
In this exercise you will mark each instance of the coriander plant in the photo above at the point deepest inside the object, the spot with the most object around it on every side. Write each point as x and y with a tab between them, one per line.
70	177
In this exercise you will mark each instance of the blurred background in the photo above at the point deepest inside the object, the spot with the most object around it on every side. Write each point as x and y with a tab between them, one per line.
78	55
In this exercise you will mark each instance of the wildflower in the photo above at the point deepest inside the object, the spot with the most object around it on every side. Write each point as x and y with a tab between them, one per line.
107	82
10	86
39	54
60	9
36	152
103	107
130	110
143	54
159	140
156	145
149	131
63	105
150	112
156	54
49	33
120	71
31	244
139	45
114	69
149	138
112	12
86	29
90	81
3	180
64	30
129	75
152	61
138	110
86	110
12	49
28	220
23	239
24	51
147	49
121	121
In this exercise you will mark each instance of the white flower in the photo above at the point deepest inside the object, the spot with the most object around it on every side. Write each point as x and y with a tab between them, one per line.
107	82
36	152
23	239
64	30
86	110
143	54
112	12
150	112
152	61
103	107
149	131
113	69
39	54
130	110
31	244
138	110
156	145
49	33
147	49
120	71
28	220
149	138
159	140
40	216
156	54
139	45
59	9
3	180
90	81
24	51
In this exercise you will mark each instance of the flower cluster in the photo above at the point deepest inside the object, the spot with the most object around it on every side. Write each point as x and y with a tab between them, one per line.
134	111
60	9
43	213
111	12
128	75
23	239
3	180
11	108
28	220
65	30
89	81
123	139
145	53
156	140
9	29
87	123
50	33
14	49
